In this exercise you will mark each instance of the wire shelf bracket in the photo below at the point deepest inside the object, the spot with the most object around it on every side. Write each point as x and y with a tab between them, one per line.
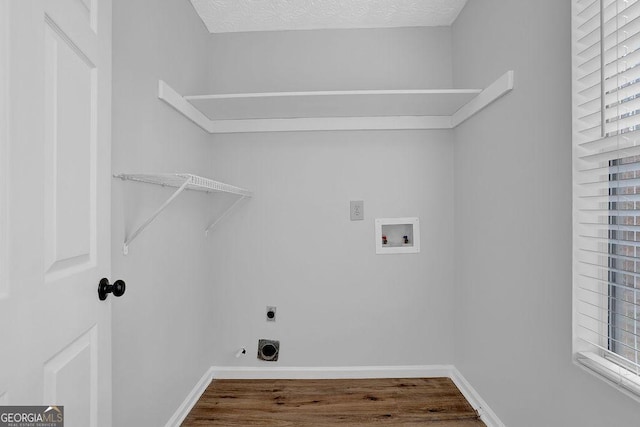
182	182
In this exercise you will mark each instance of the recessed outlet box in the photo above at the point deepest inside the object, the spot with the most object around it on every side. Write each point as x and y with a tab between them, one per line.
271	314
397	235
268	350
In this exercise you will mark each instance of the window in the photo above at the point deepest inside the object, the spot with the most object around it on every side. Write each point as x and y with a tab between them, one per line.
606	177
624	265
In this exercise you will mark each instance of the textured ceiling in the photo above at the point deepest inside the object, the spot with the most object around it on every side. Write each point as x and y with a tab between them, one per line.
225	16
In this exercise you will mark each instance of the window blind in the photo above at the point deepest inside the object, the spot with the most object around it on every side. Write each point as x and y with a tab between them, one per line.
606	177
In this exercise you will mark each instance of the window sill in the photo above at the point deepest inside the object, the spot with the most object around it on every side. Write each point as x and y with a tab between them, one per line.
617	376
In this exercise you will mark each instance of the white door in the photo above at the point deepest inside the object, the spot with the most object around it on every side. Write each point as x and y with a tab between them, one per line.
55	76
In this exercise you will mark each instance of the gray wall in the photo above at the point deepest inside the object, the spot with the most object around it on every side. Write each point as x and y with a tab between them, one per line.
513	222
293	245
160	326
502	178
393	58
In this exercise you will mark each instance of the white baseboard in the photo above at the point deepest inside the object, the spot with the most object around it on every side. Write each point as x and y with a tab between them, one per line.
486	414
237	373
191	400
419	371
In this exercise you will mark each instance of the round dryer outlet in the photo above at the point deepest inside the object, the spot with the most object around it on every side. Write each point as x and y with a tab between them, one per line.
268	350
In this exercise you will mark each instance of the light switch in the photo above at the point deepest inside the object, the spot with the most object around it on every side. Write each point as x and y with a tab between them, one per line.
357	210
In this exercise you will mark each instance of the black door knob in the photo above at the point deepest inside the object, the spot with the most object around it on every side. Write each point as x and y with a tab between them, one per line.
105	288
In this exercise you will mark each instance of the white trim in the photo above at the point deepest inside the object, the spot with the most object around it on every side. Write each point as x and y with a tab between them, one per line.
420	371
493	92
412	371
4	146
333	93
614	375
174	99
486	414
191	399
306	124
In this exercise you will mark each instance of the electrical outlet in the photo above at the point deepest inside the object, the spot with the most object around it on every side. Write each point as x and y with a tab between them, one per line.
271	314
357	210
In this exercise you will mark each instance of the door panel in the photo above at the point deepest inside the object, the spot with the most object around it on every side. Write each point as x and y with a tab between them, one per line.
70	88
69	375
56	344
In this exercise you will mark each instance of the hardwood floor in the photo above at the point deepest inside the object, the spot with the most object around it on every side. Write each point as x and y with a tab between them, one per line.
431	402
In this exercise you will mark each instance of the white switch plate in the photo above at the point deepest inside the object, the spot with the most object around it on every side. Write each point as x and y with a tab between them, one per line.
357	210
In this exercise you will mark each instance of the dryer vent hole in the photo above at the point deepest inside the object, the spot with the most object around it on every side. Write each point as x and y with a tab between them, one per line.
268	350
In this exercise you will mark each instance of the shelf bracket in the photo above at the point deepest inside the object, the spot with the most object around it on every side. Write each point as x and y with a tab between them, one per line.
224	215
492	93
131	238
181	181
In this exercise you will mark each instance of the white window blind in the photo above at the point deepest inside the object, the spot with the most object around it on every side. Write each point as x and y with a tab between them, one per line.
606	177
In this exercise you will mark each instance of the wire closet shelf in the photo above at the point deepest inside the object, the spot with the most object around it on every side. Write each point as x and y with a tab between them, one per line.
193	182
182	181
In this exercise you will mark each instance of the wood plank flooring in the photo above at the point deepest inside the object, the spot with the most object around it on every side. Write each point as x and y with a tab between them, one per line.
431	402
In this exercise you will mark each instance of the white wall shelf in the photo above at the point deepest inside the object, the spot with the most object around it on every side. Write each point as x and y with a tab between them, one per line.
334	110
181	181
